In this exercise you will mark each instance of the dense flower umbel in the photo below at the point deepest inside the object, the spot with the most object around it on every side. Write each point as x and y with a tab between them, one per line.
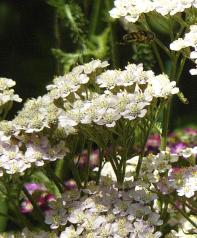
124	94
133	9
36	115
70	83
190	40
92	97
17	155
183	180
6	93
103	211
90	100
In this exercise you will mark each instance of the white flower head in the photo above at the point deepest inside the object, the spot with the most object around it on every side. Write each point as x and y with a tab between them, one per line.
162	87
133	9
6	93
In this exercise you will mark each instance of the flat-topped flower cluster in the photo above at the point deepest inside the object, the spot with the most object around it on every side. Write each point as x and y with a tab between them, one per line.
114	94
164	172
36	115
19	152
190	40
87	96
6	91
103	211
104	107
131	10
98	121
183	180
23	141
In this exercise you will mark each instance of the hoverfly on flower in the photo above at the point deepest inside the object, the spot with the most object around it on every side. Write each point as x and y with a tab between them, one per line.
139	37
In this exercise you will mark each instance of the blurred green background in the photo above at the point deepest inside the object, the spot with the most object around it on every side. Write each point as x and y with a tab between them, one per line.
30	29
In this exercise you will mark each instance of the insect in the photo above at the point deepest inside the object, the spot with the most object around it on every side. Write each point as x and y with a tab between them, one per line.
139	36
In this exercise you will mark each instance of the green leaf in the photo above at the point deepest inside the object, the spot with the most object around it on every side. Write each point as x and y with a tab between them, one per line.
40	177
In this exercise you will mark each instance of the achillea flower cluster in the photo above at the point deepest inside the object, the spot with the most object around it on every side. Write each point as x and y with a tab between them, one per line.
183	180
92	97
154	165
17	154
6	93
36	115
190	40
67	85
132	10
124	94
103	211
91	100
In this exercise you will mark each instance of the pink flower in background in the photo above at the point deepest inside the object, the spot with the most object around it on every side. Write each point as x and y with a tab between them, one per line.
153	143
41	196
70	184
32	187
177	148
94	158
44	200
191	131
26	207
82	159
177	140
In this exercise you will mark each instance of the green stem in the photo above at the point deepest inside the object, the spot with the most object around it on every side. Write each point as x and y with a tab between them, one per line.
57	40
167	198
94	18
73	23
182	213
165	209
114	49
116	170
174	59
180	69
141	156
70	17
139	165
193	209
155	48
162	46
165	125
124	161
157	54
113	38
180	21
171	33
88	164
167	107
58	182
59	167
6	109
101	154
75	173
